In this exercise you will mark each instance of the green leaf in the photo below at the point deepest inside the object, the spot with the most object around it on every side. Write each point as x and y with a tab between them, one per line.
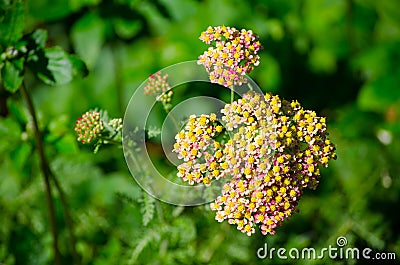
127	29
275	29
11	75
88	37
78	66
59	66
322	60
10	133
12	23
67	144
78	4
18	110
48	9
20	154
56	67
380	94
147	208
38	37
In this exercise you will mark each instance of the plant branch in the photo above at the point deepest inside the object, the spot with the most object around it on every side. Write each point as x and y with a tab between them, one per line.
118	78
68	219
109	141
49	174
46	174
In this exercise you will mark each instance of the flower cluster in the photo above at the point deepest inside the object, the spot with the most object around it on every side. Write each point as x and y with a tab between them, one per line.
94	127
201	153
274	152
116	124
88	127
232	54
159	86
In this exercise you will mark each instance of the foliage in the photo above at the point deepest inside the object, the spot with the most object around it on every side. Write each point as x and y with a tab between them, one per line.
336	57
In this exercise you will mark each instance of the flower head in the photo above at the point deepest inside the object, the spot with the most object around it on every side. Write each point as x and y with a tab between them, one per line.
88	127
275	151
200	152
232	54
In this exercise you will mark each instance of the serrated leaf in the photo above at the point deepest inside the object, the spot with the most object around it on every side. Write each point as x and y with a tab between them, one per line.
56	67
12	23
147	208
37	37
59	65
11	76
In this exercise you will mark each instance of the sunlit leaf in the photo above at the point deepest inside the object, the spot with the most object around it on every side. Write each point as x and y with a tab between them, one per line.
11	76
39	37
11	22
56	67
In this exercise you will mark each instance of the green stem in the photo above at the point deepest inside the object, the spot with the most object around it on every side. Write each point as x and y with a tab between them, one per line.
68	219
118	78
232	94
174	120
109	141
46	174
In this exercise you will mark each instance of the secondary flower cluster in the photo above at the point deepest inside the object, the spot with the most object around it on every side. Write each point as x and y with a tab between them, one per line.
159	86
274	152
232	54
89	126
94	127
116	124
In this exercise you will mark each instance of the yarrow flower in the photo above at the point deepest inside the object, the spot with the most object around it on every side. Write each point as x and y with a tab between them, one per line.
275	152
89	127
201	153
159	86
94	127
232	54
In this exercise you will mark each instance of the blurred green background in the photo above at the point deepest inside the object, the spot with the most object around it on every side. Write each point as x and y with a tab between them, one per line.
337	57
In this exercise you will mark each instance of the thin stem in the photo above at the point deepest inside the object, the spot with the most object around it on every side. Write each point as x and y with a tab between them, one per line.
174	120
68	219
232	95
109	141
46	174
118	78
